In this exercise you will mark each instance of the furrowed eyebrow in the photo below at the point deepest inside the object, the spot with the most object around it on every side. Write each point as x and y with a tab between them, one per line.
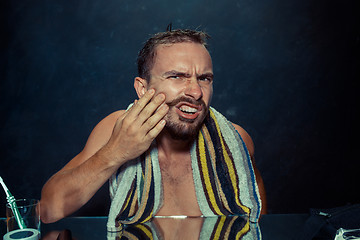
183	74
206	75
175	73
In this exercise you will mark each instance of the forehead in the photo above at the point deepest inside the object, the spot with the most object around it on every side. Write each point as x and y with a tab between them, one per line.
184	56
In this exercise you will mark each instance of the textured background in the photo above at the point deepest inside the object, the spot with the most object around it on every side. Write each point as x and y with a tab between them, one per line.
284	70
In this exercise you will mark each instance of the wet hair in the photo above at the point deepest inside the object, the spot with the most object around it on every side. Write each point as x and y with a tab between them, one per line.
146	56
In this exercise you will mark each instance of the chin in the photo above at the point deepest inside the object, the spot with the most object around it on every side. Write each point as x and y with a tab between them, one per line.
184	129
182	136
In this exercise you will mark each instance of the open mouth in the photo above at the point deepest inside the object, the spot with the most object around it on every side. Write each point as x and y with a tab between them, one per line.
188	111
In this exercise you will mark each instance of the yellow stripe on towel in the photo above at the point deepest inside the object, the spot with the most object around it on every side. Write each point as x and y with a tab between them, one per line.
206	176
211	151
219	228
146	231
243	231
230	165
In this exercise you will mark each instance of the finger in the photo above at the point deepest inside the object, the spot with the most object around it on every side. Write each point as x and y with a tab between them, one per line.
124	114
151	107
131	118
155	118
136	108
154	132
143	101
138	105
120	119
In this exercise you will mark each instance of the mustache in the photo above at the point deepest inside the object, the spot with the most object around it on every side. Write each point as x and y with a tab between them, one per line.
186	99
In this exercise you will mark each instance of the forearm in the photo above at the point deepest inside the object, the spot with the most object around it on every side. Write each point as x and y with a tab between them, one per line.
117	139
70	189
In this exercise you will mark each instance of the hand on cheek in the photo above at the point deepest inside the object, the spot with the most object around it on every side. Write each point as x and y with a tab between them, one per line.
138	127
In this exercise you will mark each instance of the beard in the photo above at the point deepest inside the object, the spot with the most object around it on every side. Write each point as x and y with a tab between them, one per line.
180	128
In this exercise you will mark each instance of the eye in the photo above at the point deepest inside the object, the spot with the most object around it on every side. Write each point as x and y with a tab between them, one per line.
176	77
205	79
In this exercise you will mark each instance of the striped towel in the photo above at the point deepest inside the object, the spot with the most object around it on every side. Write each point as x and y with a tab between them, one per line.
212	228
222	170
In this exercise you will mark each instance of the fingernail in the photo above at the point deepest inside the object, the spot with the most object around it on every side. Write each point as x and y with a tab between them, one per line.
151	91
166	107
161	96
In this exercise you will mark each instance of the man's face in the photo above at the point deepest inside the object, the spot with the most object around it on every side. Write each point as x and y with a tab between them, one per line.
184	73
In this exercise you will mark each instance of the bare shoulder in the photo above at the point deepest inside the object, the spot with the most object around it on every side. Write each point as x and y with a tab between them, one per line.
99	136
104	128
247	139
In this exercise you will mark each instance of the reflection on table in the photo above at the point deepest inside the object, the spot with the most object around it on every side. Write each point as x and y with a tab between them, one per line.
222	227
278	226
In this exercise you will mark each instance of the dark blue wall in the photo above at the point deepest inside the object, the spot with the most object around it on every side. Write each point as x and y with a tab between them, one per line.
284	70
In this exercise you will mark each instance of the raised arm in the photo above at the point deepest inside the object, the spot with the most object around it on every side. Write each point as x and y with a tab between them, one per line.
118	138
250	146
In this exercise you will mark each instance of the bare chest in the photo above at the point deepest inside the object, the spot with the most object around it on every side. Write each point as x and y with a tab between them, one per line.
176	173
179	197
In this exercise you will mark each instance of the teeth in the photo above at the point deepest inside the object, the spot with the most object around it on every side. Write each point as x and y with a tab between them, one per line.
188	109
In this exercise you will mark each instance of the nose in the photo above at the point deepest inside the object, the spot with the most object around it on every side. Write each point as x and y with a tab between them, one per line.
193	89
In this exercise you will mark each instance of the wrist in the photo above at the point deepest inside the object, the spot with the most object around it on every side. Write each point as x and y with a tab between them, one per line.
109	157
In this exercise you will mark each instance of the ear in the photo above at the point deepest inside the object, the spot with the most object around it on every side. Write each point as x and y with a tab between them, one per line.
140	86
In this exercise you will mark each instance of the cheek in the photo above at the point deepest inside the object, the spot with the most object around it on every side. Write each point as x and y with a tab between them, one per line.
171	92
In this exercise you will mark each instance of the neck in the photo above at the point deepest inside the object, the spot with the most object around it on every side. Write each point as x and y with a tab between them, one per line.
169	146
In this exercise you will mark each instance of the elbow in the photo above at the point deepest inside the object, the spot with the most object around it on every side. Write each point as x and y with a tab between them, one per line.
51	209
47	218
48	213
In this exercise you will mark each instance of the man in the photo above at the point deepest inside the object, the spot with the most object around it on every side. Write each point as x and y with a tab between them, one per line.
160	132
